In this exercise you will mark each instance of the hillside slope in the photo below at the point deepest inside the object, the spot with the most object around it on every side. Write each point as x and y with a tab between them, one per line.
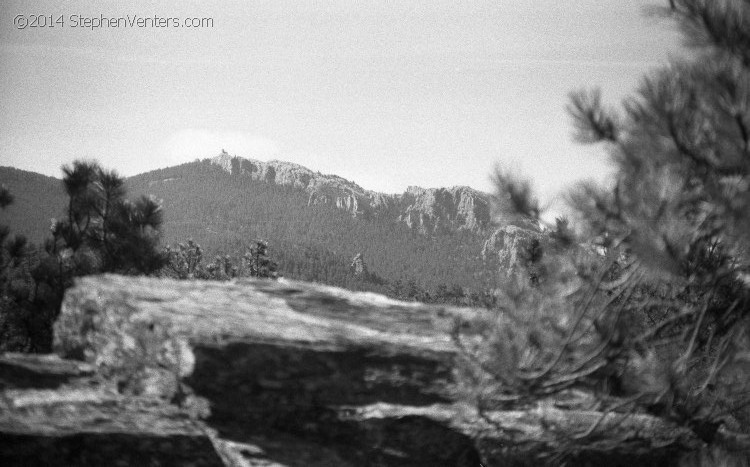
225	211
315	224
37	199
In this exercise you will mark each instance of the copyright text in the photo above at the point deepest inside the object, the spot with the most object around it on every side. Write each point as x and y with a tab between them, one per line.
108	22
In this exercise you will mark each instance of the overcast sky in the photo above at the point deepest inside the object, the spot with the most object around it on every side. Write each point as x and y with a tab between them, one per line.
385	93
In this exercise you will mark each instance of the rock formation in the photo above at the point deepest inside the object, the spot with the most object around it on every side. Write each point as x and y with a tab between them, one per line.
428	211
56	412
358	266
293	374
508	244
439	210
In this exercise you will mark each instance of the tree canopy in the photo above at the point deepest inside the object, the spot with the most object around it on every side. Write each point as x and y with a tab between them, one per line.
101	231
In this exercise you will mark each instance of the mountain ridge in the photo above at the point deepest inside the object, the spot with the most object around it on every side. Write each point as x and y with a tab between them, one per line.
315	223
426	210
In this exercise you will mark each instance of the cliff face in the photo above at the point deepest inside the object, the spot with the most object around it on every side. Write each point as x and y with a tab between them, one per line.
428	211
437	210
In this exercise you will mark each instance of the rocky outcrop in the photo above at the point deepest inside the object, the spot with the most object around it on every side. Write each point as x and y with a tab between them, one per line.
323	189
439	210
301	374
56	412
508	246
428	211
348	202
358	266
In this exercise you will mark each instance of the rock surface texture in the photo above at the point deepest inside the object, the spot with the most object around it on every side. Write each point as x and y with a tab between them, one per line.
55	412
270	373
428	211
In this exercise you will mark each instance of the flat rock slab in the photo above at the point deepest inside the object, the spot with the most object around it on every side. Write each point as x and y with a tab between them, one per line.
255	310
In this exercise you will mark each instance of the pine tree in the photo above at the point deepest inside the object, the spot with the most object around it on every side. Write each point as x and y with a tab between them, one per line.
258	263
650	308
101	232
185	261
680	207
13	284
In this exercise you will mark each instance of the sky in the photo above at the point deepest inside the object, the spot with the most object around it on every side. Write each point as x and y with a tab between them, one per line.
385	93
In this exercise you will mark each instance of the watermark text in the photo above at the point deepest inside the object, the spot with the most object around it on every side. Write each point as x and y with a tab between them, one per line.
109	22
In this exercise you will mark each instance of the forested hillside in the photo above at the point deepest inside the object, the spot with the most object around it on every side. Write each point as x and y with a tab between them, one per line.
37	199
225	213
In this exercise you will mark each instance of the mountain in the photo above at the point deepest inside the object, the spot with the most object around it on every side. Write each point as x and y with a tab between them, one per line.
428	211
225	203
415	242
